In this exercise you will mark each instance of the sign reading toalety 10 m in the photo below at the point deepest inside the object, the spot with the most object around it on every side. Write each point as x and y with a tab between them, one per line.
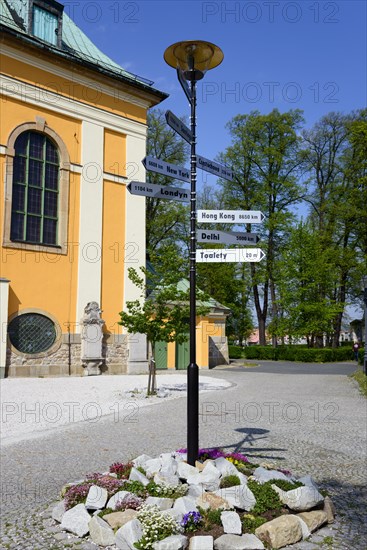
230	216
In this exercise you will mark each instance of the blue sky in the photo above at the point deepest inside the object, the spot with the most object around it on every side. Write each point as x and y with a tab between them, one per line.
309	55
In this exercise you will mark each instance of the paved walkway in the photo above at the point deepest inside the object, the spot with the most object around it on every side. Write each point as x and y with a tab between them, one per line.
308	424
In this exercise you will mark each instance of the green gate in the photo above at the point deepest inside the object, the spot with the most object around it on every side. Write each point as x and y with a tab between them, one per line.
161	355
183	354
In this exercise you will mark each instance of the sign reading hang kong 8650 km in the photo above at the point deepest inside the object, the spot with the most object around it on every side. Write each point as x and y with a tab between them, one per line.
230	216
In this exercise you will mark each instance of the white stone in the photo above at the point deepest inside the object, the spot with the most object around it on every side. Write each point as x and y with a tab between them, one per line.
174	542
135	475
242	478
262	475
305	530
58	511
100	532
209	478
185	505
128	534
239	496
180	457
116	498
176	514
96	498
162	503
169	469
195	491
300	499
141	460
152	466
171	481
205	542
235	542
225	467
231	522
308	481
184	470
76	520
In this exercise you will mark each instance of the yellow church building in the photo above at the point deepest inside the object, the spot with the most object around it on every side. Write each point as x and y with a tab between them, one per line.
73	135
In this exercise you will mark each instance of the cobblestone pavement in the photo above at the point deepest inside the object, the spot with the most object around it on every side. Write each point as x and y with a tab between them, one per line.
306	423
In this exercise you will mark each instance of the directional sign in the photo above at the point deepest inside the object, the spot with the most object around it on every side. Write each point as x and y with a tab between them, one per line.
167	169
184	84
226	255
222	237
158	191
214	168
230	216
178	126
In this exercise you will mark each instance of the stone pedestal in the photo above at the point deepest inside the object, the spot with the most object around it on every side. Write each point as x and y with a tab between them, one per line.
91	339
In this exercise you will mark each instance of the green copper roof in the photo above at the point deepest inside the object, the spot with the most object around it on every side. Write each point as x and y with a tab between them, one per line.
75	44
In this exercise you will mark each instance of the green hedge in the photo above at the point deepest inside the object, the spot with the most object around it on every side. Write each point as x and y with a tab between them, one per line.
235	352
304	355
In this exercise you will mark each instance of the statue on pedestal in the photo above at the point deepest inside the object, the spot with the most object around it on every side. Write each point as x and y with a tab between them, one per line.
92	335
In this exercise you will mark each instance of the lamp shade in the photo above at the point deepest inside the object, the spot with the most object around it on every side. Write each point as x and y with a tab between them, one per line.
193	55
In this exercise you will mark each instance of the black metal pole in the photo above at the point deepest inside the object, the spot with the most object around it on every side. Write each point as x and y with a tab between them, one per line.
365	332
193	369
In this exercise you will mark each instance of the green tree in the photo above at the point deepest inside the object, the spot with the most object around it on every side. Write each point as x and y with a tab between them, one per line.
162	310
266	165
166	221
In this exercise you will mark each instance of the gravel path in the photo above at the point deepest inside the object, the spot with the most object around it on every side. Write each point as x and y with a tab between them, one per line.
306	423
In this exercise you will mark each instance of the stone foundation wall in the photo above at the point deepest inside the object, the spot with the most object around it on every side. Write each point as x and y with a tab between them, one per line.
65	360
218	351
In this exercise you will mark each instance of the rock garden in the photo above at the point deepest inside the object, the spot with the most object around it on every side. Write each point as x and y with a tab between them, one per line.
223	503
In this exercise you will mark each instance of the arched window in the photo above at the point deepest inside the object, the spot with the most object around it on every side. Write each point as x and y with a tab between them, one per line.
36	189
35	194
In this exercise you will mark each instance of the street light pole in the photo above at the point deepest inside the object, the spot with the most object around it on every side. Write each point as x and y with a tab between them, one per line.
192	59
364	279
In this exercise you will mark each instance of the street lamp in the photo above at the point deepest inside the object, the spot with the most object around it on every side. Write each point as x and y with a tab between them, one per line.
192	59
364	281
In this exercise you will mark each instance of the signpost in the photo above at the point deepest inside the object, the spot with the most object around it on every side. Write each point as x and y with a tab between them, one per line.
166	169
214	168
230	216
152	190
227	255
178	126
222	237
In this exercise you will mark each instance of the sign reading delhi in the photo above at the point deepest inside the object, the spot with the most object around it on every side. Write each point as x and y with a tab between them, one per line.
230	216
178	126
158	191
166	169
226	255
222	237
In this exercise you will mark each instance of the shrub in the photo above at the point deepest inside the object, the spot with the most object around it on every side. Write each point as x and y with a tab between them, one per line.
229	481
191	521
298	353
266	497
250	523
121	470
286	485
132	502
165	491
135	487
156	526
210	517
235	352
111	484
76	494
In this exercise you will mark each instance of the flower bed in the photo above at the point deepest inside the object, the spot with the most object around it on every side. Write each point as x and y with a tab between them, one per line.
224	503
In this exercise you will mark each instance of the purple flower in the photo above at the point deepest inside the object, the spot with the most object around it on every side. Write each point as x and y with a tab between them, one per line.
191	521
76	494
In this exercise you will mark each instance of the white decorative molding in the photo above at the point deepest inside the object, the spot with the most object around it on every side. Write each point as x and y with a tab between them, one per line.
74	76
91	210
45	99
